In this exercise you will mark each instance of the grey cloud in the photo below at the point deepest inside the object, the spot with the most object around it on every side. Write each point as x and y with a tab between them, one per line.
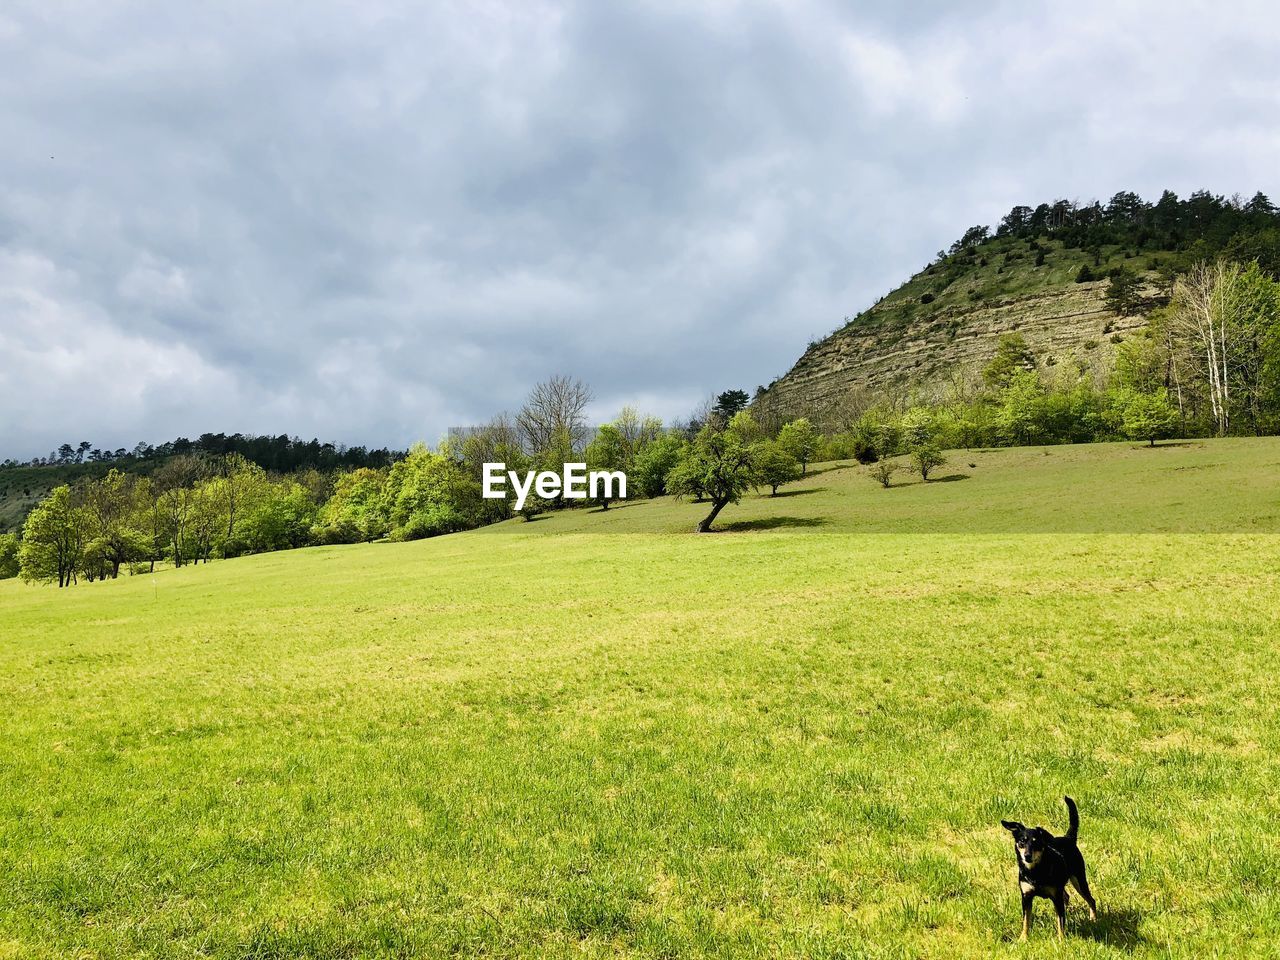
371	222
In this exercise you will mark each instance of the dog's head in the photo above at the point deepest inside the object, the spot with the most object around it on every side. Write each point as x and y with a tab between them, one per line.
1029	842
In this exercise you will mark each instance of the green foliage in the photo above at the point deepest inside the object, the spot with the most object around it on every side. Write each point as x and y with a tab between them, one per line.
8	555
654	462
1022	408
1012	356
607	451
876	435
745	428
801	439
717	465
1123	294
775	465
427	494
53	540
282	519
1142	415
354	512
729	403
917	428
925	458
882	472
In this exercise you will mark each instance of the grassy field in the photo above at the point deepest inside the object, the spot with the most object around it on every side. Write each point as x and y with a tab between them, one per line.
597	735
1193	486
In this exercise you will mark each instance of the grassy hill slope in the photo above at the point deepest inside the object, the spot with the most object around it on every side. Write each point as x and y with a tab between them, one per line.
21	488
948	318
1187	486
788	742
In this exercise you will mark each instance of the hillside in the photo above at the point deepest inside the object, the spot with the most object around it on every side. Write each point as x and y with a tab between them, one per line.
941	323
23	485
1175	487
558	739
1025	276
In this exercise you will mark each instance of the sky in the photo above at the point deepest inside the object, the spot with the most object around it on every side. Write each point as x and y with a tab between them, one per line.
368	222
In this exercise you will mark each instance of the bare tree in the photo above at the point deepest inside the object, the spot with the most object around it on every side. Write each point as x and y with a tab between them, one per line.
554	413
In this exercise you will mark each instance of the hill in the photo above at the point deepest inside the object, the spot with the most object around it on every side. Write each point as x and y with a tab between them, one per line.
1176	487
1042	274
554	740
23	485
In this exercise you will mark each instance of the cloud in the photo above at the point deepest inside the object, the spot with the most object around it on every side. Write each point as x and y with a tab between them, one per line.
376	221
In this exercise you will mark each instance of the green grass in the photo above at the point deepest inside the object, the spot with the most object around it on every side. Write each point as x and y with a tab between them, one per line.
1191	486
789	742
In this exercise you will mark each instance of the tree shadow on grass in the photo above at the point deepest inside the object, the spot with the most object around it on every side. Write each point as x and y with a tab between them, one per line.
795	493
950	478
615	505
819	471
771	523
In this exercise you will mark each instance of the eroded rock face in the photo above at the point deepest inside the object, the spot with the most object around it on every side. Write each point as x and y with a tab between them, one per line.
1060	326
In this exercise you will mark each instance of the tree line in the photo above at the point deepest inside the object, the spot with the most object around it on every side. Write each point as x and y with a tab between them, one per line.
198	506
1203	226
280	453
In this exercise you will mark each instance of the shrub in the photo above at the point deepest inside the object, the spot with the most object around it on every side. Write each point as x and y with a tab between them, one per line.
883	472
926	458
430	521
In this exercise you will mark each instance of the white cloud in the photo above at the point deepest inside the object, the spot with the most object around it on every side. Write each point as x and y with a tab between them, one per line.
377	221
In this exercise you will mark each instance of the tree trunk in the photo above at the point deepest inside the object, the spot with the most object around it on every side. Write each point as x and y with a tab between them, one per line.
705	525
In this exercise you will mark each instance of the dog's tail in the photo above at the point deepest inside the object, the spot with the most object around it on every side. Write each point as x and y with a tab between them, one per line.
1073	828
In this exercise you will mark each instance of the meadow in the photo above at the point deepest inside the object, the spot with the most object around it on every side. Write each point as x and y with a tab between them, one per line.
599	735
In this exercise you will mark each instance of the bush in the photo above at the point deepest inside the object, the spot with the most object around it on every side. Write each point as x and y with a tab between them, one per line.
926	298
1085	274
341	531
430	521
926	458
883	473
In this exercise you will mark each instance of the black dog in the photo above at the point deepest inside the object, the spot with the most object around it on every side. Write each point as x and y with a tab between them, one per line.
1046	864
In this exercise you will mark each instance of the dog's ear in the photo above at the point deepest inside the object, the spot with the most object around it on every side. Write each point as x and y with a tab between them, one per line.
1013	826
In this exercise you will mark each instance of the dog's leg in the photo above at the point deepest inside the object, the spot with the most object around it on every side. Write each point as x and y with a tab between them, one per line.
1082	887
1060	910
1027	900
